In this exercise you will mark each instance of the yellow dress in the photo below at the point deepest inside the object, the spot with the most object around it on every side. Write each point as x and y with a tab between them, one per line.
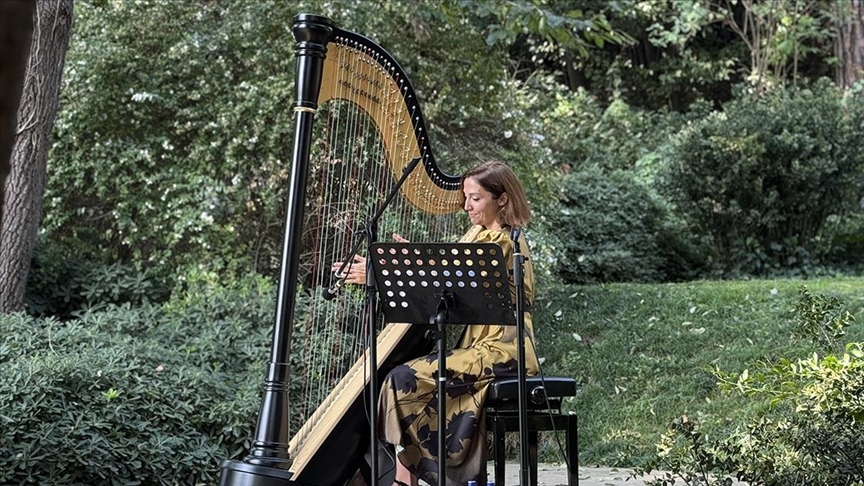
409	399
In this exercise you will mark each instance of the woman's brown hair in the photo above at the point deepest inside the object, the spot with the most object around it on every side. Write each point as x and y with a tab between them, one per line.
499	179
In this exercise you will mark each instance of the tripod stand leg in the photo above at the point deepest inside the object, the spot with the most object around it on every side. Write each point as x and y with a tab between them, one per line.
442	402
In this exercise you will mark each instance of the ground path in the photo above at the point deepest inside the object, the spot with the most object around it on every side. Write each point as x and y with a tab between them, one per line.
556	475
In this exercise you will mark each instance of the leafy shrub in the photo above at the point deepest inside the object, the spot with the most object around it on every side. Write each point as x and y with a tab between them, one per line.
762	178
821	318
146	395
845	237
812	434
817	437
61	285
615	228
170	146
584	132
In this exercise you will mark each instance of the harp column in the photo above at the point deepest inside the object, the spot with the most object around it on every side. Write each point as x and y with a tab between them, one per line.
268	461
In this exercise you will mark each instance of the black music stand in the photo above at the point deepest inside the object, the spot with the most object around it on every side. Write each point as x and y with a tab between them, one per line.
462	283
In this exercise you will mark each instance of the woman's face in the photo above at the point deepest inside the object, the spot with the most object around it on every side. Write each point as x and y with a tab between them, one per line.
480	205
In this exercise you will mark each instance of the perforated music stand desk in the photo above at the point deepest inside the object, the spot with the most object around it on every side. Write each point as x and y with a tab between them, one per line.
411	277
433	283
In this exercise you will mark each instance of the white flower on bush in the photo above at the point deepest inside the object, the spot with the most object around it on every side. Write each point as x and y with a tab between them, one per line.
139	97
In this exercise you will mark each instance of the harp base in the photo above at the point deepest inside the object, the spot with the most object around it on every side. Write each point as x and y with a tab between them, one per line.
239	473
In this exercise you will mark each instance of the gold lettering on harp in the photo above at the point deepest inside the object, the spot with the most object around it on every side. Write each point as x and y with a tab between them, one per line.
360	92
357	79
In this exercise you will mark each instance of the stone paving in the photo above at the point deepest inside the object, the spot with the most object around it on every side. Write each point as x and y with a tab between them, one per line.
556	475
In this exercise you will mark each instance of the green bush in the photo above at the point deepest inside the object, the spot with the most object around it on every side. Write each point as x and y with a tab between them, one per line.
615	228
61	285
584	132
762	178
123	395
845	235
812	433
813	438
171	141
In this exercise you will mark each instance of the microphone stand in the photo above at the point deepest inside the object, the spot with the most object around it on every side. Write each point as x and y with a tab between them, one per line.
442	317
519	283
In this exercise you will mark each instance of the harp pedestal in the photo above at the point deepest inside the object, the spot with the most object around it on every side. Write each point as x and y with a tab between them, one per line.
239	473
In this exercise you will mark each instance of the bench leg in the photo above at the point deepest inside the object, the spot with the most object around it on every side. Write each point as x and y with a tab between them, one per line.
498	433
532	455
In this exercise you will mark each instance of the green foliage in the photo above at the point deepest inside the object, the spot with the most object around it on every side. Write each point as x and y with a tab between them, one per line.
644	354
133	395
60	285
811	434
580	130
779	36
808	450
558	26
845	237
684	456
550	139
615	228
457	77
681	54
170	142
686	50
762	178
821	318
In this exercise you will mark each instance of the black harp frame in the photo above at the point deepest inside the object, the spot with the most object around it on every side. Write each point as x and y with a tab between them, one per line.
268	461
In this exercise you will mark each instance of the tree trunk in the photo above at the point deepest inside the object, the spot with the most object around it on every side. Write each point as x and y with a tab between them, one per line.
16	30
25	185
850	44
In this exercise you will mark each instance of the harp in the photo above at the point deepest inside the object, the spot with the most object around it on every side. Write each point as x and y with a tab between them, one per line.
369	129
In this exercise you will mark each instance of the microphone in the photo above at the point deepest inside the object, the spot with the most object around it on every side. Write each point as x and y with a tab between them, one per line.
331	291
515	233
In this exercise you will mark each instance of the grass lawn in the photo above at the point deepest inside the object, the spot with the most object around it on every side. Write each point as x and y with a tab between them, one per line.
644	353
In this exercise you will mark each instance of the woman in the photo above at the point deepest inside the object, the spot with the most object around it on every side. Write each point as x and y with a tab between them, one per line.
495	202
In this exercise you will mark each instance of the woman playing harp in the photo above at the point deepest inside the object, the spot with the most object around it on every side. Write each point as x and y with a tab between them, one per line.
358	128
496	203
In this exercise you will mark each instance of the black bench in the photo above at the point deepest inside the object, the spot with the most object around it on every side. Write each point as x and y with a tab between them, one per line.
544	414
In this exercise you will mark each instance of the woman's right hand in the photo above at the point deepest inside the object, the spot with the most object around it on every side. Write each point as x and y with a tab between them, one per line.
355	270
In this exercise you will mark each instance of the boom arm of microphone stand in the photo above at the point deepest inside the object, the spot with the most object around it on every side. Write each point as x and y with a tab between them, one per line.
330	292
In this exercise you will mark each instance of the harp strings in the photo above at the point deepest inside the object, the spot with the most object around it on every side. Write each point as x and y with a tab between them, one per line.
356	159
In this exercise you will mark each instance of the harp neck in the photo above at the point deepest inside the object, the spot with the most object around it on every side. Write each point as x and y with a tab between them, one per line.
357	70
